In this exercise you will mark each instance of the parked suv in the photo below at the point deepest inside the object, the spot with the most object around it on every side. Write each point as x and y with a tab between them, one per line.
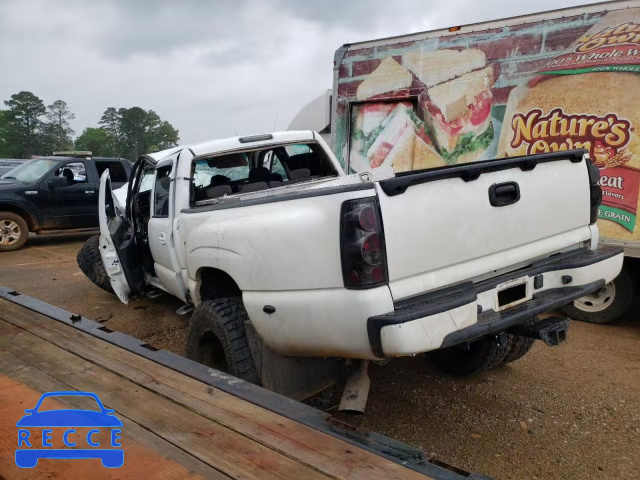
54	194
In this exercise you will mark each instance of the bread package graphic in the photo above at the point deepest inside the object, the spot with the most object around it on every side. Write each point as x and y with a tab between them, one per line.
587	98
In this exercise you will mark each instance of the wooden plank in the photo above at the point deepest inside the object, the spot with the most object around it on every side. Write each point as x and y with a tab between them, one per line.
154	451
218	446
322	452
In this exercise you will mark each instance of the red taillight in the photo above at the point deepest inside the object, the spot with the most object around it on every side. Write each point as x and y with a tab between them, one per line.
367	219
362	243
371	249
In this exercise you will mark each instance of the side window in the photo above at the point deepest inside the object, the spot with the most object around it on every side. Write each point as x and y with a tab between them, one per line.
146	182
276	167
297	149
116	171
225	169
161	196
75	172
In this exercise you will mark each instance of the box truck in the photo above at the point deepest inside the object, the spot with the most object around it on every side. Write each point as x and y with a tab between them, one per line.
552	81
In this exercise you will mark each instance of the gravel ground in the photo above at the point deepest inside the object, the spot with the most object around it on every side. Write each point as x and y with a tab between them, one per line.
46	269
571	412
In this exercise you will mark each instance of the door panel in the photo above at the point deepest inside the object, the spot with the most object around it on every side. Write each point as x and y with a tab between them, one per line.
117	244
160	228
74	205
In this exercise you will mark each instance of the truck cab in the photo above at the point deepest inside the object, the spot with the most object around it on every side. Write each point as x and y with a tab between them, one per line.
54	194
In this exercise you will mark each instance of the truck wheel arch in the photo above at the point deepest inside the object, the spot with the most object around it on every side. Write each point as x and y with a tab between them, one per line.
23	212
213	283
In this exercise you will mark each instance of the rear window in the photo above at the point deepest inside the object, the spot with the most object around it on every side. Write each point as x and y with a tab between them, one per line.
116	171
234	167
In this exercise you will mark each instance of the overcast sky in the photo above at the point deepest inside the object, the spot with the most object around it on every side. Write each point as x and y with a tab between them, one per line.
211	68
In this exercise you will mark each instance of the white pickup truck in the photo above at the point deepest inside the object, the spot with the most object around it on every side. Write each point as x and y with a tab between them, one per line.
293	266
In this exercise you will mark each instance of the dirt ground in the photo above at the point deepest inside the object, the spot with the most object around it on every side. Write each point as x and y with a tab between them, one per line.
571	412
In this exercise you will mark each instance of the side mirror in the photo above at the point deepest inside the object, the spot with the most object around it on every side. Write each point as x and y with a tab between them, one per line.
57	182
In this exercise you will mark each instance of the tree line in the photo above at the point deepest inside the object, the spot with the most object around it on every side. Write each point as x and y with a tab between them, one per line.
29	128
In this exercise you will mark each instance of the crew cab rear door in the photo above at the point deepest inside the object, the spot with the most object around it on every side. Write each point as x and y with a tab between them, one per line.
117	246
453	224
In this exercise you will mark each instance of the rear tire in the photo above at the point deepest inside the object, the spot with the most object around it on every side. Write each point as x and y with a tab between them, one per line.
90	262
217	338
518	348
14	231
474	357
607	304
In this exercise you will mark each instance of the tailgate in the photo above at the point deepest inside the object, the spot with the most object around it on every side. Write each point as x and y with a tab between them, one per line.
455	223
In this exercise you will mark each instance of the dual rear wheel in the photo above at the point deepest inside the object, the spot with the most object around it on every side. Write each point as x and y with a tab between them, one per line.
217	338
610	302
483	354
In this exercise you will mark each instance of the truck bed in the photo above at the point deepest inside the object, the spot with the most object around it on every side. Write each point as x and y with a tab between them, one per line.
179	418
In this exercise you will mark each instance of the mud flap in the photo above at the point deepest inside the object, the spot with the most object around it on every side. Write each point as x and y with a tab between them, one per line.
295	377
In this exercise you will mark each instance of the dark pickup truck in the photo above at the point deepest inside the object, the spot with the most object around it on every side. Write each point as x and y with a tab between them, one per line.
53	195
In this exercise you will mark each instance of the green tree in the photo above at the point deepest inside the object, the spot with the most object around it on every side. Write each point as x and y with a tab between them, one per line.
96	140
111	122
159	134
24	124
130	132
5	135
57	131
144	132
133	131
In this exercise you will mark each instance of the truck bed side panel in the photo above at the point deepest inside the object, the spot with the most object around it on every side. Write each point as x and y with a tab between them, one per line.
275	245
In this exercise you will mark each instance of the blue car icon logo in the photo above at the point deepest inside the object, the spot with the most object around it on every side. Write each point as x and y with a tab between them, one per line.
27	455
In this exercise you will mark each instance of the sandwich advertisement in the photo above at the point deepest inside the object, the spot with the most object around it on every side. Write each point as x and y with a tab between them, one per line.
448	122
559	84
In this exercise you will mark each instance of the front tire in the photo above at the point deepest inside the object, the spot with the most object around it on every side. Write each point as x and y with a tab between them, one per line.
14	231
607	304
217	338
90	262
469	358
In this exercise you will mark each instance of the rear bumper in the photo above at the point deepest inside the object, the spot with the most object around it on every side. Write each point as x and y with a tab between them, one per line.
471	310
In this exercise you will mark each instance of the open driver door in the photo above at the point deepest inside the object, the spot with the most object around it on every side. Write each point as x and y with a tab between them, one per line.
117	244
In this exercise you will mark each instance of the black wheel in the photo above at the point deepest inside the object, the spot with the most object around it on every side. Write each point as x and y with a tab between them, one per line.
90	262
518	347
217	338
14	231
607	304
469	358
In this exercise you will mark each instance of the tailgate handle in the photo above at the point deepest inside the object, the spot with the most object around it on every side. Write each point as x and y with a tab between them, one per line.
501	194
